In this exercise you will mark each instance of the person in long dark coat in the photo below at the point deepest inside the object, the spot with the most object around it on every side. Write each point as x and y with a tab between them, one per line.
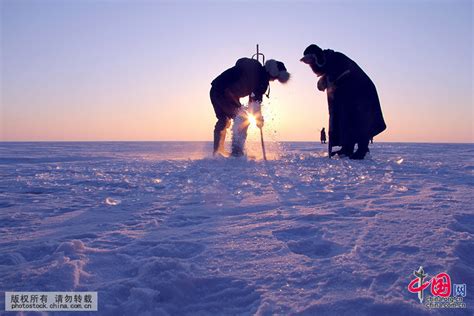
323	136
355	115
247	78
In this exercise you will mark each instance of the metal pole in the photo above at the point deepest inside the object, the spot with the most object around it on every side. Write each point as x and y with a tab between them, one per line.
258	54
263	145
261	130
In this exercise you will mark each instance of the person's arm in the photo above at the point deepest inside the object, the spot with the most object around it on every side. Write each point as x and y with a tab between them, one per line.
339	67
224	83
323	83
231	96
255	109
257	96
257	112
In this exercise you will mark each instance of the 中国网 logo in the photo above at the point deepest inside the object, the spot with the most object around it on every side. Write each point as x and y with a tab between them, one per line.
444	294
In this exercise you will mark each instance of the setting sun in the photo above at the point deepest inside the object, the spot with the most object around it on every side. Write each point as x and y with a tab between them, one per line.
252	120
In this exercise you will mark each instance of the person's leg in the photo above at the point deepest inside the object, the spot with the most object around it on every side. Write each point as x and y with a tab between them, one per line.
219	103
347	149
220	130
239	134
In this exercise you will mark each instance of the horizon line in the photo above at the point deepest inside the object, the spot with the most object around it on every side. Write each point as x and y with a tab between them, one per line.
210	141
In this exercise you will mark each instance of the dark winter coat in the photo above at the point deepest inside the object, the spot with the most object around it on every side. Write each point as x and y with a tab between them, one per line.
246	77
354	108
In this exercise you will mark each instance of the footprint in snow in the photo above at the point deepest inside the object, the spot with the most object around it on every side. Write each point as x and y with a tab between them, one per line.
180	249
353	212
308	241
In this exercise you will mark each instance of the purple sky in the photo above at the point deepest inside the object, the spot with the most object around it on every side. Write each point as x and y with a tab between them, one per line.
141	70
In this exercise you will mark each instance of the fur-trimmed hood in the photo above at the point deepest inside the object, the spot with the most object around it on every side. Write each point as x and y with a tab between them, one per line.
277	70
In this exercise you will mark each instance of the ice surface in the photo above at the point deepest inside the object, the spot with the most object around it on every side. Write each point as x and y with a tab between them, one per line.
162	228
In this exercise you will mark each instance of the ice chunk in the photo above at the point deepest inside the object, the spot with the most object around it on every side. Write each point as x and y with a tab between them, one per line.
112	201
399	188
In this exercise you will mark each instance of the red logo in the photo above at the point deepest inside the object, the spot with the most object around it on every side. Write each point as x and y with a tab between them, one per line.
440	284
415	287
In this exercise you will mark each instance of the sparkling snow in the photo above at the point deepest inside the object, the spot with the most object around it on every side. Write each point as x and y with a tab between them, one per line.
163	228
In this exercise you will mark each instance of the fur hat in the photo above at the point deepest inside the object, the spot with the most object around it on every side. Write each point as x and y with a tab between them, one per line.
277	70
312	49
313	53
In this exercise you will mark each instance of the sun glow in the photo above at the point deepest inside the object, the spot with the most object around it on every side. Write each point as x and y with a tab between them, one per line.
252	120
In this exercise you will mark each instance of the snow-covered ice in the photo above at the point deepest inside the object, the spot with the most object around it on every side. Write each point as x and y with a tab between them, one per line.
163	228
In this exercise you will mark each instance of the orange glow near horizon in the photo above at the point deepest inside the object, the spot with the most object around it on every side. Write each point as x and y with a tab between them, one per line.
80	84
285	120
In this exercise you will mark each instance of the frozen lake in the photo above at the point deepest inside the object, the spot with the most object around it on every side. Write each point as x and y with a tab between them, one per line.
162	228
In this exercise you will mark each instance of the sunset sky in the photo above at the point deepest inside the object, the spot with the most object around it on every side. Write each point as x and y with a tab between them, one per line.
141	70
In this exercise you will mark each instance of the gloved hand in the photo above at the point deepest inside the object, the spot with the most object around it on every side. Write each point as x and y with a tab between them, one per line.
322	83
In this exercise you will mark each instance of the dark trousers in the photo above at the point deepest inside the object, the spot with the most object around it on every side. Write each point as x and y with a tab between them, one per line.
225	109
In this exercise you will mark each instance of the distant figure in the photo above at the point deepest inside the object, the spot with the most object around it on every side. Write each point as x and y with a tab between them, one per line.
247	78
371	140
323	136
355	115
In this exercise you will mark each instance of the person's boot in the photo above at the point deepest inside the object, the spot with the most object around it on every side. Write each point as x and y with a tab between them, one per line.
237	151
346	150
359	154
238	142
362	150
239	135
219	140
